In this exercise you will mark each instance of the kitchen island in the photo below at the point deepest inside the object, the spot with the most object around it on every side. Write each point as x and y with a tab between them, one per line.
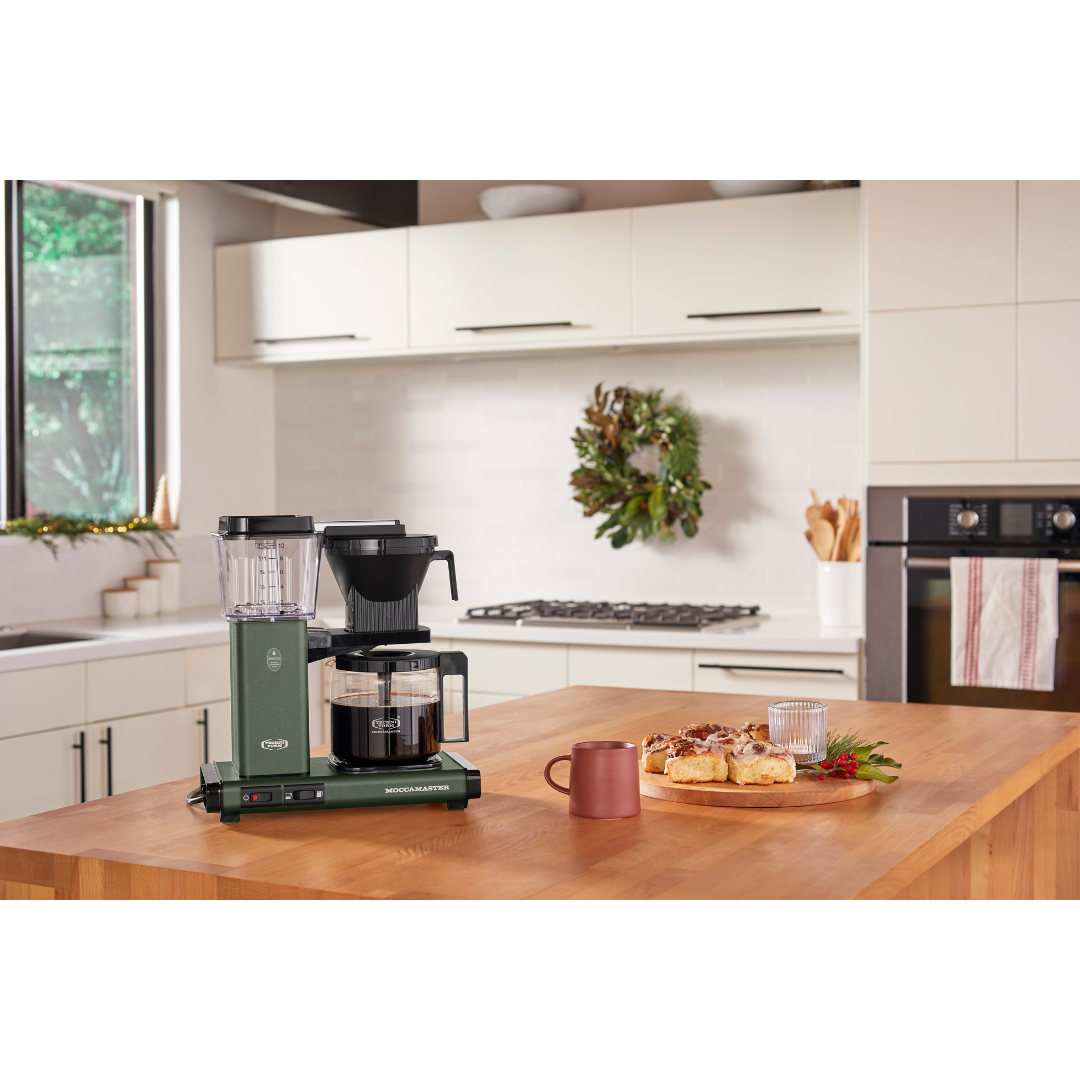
986	807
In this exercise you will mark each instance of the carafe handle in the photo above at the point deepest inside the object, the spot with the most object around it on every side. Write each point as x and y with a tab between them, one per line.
453	663
448	558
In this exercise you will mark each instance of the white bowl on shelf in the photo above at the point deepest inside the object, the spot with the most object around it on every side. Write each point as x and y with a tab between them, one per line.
738	189
528	200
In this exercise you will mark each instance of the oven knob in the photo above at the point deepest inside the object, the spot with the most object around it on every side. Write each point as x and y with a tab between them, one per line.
967	519
1064	520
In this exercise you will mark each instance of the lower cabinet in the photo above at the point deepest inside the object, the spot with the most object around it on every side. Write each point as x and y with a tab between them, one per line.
781	675
503	671
40	772
140	751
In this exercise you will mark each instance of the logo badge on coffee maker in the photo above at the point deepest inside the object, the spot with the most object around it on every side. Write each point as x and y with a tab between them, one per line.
273	660
274	744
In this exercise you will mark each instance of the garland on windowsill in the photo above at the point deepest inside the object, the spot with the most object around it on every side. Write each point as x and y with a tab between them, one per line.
49	528
639	504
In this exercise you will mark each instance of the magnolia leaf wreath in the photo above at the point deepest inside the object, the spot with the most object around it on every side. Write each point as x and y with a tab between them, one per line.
638	504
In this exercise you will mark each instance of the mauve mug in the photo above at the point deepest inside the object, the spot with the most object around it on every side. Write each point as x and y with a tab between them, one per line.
603	779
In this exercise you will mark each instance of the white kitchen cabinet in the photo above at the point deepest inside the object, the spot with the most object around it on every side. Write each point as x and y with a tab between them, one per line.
206	674
754	265
780	675
313	297
39	698
507	668
1049	381
940	243
39	772
640	669
942	385
131	685
146	750
1049	229
555	280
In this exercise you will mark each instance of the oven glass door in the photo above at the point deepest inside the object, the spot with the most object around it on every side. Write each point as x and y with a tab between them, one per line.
929	645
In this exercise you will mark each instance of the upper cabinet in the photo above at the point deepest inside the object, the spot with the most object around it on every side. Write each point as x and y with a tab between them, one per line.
556	279
1049	240
313	297
776	264
940	243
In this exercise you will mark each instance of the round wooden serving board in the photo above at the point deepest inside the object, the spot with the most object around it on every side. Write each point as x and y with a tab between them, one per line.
807	790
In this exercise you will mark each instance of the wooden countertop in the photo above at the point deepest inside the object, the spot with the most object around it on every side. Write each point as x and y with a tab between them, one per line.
986	806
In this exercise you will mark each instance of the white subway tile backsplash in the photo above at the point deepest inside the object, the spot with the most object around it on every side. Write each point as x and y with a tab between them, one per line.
479	452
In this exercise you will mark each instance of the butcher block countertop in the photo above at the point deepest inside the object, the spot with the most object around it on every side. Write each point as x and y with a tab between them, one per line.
986	807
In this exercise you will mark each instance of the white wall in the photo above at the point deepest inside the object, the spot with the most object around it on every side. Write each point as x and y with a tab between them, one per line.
224	461
479	452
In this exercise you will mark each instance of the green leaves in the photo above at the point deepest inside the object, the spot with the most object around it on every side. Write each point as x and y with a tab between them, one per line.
638	504
870	764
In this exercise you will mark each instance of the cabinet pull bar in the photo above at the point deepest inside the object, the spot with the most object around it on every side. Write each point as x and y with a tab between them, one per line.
315	337
107	743
745	314
81	747
759	667
515	326
1065	566
204	723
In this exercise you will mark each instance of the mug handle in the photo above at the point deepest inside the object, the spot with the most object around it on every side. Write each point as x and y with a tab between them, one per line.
547	774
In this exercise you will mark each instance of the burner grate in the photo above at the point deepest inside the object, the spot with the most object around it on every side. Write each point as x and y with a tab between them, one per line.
677	616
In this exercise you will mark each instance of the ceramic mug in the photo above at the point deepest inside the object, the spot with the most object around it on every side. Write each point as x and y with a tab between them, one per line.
604	779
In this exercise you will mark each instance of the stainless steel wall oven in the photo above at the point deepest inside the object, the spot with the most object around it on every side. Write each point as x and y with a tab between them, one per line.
911	535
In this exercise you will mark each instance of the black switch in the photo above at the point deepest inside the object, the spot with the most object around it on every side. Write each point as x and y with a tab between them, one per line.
305	794
262	796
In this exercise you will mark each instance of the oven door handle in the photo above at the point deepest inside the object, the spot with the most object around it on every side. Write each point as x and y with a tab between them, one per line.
1065	566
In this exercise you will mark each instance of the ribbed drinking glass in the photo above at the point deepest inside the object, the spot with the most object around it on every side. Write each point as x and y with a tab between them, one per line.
801	726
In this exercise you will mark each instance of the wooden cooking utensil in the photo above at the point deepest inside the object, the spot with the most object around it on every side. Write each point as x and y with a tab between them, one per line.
822	538
841	523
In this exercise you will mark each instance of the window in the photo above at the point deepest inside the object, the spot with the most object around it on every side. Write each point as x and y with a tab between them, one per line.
79	387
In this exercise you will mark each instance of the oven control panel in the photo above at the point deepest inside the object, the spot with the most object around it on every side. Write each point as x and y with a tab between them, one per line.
994	521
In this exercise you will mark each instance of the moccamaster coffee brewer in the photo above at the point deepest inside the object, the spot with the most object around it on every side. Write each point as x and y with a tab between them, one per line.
386	704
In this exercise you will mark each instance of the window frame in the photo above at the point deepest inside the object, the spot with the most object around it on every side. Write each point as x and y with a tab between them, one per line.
12	420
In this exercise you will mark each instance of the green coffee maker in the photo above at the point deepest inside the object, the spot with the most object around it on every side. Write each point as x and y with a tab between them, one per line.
387	704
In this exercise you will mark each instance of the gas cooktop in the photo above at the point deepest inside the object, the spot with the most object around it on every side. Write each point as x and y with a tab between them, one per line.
617	616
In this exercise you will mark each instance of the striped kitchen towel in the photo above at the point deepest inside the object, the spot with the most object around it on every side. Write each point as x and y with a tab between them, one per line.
1004	622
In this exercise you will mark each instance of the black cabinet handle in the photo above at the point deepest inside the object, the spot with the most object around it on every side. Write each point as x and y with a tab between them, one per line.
516	326
314	337
759	667
745	314
204	723
107	743
81	747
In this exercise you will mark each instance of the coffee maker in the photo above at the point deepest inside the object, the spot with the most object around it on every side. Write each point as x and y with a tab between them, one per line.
386	704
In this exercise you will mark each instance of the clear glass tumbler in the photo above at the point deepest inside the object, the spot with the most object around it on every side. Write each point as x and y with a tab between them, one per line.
801	726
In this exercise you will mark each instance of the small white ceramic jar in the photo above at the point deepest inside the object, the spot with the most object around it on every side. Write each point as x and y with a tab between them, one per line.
840	593
149	590
167	571
120	603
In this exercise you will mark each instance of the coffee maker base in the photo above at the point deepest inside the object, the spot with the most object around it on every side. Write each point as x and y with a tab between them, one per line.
223	792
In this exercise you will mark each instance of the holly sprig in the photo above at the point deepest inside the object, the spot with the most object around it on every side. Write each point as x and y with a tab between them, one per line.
848	758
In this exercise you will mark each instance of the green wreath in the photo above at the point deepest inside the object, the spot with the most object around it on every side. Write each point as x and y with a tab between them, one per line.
638	504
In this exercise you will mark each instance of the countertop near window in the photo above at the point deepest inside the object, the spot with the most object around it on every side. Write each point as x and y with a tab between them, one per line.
107	638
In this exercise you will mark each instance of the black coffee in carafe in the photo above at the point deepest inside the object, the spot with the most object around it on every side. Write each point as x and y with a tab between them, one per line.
367	732
385	708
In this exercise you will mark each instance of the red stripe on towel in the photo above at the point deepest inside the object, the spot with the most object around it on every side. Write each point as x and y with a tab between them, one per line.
974	620
1029	624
